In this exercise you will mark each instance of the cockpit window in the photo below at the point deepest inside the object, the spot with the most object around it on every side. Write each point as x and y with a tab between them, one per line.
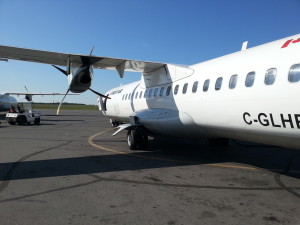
294	74
141	93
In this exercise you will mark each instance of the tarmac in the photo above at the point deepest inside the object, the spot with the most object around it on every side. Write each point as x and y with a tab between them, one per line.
71	170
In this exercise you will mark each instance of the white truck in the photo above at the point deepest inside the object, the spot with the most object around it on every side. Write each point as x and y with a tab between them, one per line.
22	114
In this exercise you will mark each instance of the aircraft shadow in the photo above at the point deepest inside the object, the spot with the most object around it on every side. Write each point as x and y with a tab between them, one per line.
76	166
159	156
276	159
65	120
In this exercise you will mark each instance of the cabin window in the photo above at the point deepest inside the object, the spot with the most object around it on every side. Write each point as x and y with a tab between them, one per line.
270	76
184	89
141	93
150	93
233	81
219	83
294	74
155	92
250	79
168	91
136	95
145	94
176	89
206	85
195	87
161	91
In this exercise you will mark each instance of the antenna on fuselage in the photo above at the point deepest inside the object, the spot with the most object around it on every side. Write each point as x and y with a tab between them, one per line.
244	46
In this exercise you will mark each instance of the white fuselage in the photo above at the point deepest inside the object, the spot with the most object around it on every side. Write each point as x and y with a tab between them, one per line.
6	101
264	112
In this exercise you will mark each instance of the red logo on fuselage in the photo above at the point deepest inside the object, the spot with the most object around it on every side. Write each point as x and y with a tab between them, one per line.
290	41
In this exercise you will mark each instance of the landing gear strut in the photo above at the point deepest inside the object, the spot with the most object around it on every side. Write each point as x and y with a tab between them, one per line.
137	139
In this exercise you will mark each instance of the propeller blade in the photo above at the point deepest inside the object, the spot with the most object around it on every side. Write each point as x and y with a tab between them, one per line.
92	50
26	88
101	95
61	70
58	109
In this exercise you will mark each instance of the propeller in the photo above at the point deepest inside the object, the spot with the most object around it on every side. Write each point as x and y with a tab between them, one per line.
61	70
92	50
27	96
86	61
58	109
101	95
95	92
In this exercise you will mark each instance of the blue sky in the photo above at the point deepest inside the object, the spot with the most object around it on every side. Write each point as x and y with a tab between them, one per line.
181	32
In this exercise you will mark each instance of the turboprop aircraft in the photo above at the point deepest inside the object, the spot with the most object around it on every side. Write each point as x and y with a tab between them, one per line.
6	100
250	95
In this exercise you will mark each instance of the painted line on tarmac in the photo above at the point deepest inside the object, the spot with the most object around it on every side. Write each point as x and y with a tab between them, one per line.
91	138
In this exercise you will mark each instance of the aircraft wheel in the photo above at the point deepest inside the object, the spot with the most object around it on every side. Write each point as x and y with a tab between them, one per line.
115	124
132	139
143	141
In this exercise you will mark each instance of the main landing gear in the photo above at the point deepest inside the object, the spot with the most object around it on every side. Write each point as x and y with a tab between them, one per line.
137	139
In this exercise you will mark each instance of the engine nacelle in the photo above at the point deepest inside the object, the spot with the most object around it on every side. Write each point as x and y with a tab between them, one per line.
28	98
80	79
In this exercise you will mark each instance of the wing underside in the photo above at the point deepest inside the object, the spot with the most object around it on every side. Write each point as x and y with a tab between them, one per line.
61	59
28	93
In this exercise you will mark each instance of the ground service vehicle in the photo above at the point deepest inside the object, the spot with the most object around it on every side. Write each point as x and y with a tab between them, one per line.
22	114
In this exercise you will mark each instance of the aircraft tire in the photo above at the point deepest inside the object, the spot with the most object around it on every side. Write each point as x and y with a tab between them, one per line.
143	143
132	139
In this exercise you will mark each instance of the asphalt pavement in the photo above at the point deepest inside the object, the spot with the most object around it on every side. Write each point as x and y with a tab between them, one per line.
71	170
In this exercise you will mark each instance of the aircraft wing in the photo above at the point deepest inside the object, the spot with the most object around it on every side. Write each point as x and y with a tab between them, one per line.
61	59
28	93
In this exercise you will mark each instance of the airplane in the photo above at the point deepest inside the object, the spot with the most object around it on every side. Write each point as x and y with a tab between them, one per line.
6	100
251	95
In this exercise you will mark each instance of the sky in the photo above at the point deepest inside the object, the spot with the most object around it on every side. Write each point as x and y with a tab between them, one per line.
170	31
